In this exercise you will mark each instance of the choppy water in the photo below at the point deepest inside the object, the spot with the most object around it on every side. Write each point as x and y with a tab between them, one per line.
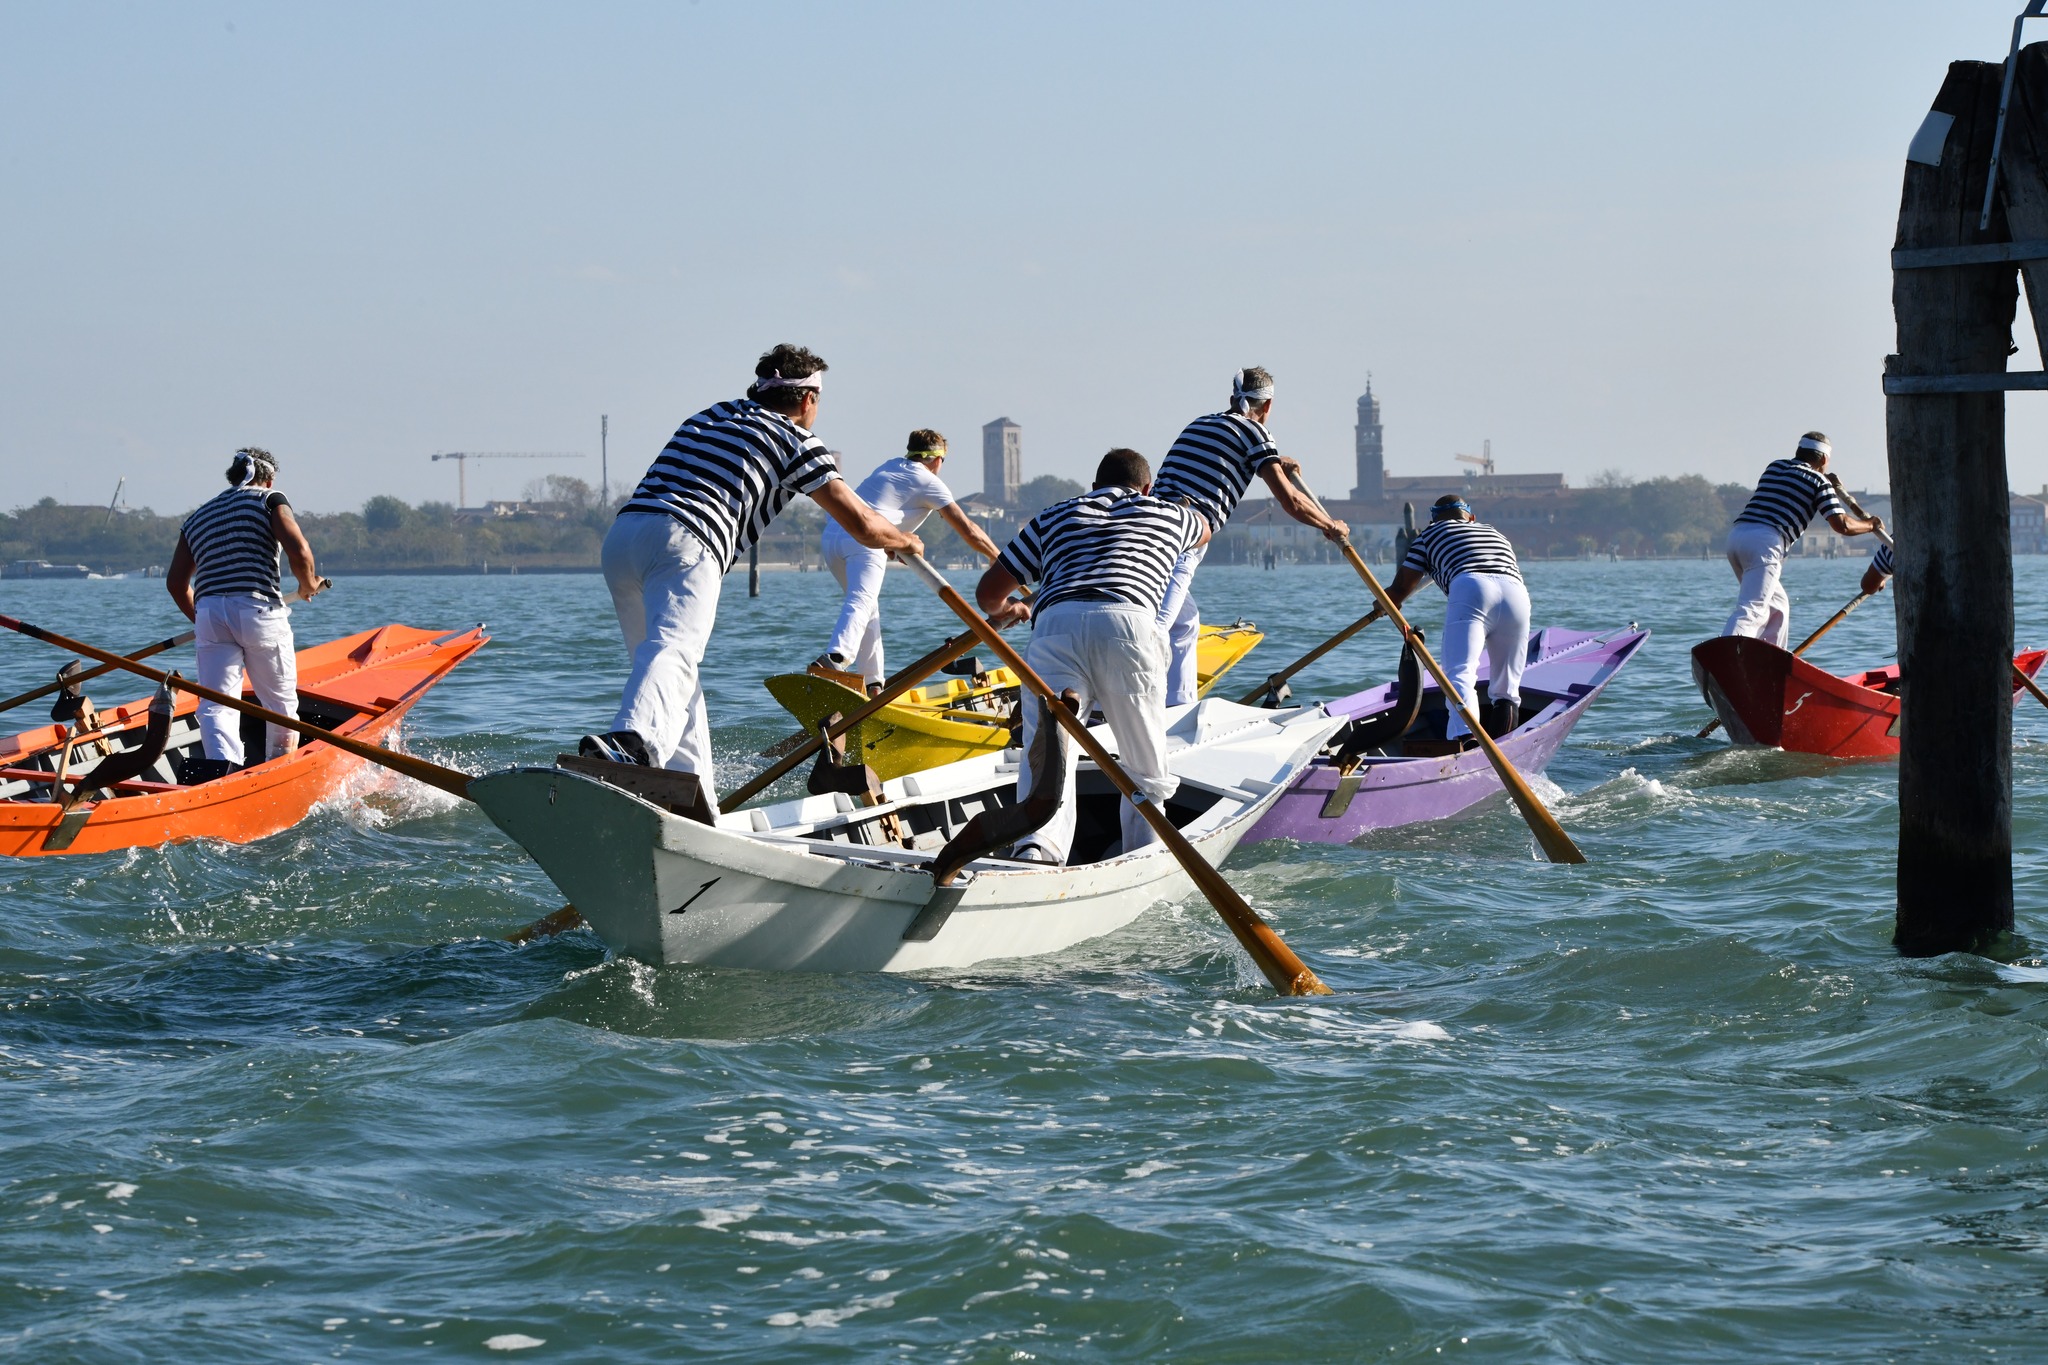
299	1099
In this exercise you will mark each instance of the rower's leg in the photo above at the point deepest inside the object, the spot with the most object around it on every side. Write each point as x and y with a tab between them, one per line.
1507	638
1181	619
858	637
1464	638
220	668
265	632
1126	671
1755	553
678	584
1055	655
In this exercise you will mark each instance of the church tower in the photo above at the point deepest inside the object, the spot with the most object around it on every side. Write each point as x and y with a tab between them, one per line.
1370	441
1002	461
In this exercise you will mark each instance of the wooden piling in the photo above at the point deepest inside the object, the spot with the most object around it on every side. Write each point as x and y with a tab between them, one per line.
1953	592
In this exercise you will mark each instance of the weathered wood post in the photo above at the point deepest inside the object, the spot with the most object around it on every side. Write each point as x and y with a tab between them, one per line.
1945	428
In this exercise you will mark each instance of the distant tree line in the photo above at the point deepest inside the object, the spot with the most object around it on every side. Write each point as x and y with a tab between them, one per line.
561	524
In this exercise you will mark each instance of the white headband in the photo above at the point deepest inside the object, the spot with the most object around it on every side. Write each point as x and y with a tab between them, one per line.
774	380
1239	394
1819	446
255	469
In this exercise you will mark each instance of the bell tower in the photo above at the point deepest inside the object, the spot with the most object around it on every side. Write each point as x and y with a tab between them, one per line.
1370	441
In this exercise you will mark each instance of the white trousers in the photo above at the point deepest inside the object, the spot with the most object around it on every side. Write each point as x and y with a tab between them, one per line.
1489	613
237	633
858	636
1115	658
1762	611
664	586
1181	619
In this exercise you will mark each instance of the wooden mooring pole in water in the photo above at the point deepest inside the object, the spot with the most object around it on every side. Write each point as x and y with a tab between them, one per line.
1953	295
754	570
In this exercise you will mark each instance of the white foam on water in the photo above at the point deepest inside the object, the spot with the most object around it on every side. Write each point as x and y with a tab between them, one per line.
513	1341
121	1190
717	1220
1145	1168
2024	973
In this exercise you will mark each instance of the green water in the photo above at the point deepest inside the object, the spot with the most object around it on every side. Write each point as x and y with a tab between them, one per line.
297	1099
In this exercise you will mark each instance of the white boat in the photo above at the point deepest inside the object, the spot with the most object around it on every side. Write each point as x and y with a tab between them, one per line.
827	884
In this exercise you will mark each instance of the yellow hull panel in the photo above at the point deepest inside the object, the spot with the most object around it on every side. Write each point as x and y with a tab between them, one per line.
944	722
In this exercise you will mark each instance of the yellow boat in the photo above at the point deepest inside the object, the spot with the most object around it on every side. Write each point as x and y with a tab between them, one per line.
944	722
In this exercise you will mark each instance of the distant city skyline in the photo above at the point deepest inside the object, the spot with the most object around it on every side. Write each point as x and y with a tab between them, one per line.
1607	236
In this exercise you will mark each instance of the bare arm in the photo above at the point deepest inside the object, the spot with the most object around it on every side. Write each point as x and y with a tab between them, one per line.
964	527
863	522
1281	476
178	580
1846	525
1207	531
1405	582
297	552
1874	581
992	595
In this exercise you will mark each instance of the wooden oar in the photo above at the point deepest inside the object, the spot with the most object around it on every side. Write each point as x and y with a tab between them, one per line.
433	774
2030	684
1826	626
1550	835
89	674
891	690
1884	537
1288	973
1273	681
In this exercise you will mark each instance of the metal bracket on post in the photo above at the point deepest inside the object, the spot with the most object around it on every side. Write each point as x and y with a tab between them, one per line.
2032	11
2004	381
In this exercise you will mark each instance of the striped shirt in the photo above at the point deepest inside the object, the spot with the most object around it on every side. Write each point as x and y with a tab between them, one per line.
1212	464
233	546
1445	549
1882	561
1111	545
728	471
1789	495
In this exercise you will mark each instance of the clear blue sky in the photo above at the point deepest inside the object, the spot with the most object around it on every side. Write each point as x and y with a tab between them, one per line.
1648	237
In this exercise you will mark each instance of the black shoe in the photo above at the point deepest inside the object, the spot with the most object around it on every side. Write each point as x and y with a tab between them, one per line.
616	746
1501	717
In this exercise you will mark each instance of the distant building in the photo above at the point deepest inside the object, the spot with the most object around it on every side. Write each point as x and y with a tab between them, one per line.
2029	519
1002	462
1370	441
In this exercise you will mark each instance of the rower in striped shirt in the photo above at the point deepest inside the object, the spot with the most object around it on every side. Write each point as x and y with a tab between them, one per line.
224	576
1788	497
707	497
1487	608
1209	468
1879	571
1102	562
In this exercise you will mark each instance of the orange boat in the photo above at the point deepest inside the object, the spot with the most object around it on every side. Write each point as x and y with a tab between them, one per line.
357	686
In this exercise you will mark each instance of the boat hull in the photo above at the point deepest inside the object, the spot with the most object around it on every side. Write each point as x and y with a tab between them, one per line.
664	890
1769	696
1394	791
384	671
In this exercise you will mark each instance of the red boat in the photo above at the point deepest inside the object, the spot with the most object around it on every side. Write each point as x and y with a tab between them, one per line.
1767	695
359	686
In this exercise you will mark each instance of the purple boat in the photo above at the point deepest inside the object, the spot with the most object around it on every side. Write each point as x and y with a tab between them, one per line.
1386	768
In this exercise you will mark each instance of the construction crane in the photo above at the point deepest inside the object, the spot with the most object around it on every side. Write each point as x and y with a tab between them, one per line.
1485	461
463	457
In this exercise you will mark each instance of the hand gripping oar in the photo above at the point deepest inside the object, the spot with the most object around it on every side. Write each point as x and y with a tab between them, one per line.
1858	600
1550	835
891	690
47	688
1271	686
433	774
1288	973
